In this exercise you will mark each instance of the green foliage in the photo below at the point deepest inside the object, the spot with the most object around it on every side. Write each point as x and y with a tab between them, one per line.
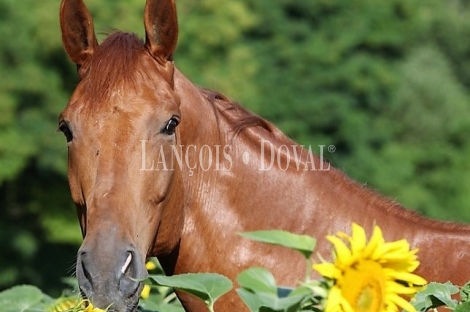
257	288
435	295
212	48
162	299
23	298
32	91
36	80
301	243
440	295
330	72
206	286
259	291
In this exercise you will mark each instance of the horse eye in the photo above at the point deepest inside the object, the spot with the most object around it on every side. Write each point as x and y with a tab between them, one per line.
64	128
170	127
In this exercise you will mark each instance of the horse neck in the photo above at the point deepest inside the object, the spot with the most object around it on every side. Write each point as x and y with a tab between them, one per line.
199	133
311	198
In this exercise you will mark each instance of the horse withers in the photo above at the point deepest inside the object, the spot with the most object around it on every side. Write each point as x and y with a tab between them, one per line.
160	167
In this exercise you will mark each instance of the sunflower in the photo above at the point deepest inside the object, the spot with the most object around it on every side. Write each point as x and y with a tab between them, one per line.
145	293
91	308
74	304
370	277
66	304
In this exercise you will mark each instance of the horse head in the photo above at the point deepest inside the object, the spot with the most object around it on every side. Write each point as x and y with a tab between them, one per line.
124	98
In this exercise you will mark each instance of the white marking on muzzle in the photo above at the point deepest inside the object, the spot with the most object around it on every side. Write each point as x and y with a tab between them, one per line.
126	264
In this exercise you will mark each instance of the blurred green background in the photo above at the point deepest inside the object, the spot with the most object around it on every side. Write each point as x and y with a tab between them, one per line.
386	82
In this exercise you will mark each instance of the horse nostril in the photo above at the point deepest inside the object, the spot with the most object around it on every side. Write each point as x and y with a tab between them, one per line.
83	274
130	270
127	263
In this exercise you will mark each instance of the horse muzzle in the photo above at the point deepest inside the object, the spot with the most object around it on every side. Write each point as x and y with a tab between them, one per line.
107	279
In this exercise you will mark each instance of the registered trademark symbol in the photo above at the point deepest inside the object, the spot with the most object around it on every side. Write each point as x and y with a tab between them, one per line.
331	148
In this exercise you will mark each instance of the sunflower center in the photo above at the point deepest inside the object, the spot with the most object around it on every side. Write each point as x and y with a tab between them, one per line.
363	286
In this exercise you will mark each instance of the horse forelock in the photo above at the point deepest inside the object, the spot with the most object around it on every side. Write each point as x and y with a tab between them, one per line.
113	65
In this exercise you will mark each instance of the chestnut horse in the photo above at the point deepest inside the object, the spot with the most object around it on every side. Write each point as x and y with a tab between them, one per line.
160	167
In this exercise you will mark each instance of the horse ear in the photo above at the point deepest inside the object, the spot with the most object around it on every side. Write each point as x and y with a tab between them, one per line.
161	29
78	34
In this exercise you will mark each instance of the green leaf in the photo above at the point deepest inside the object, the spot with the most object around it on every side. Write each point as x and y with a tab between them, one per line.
150	306
301	243
260	293
463	307
254	300
161	299
266	302
435	295
21	298
206	286
287	304
259	280
465	292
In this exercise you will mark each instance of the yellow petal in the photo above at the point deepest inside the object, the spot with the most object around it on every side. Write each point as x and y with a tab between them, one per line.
399	301
406	265
328	270
343	254
346	306
394	287
145	292
406	277
375	241
396	247
150	265
334	300
358	238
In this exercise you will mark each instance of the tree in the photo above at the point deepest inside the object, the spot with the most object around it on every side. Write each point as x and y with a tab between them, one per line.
378	81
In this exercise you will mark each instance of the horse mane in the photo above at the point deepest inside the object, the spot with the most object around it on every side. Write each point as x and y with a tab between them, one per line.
241	119
394	208
112	65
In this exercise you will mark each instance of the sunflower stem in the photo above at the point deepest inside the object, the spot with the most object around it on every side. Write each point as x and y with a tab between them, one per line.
308	270
211	306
